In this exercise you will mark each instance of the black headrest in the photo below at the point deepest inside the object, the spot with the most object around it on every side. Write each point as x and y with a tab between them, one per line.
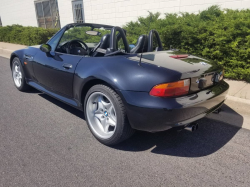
105	41
103	44
140	45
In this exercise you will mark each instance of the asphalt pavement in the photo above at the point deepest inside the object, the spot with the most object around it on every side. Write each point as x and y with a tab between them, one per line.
44	142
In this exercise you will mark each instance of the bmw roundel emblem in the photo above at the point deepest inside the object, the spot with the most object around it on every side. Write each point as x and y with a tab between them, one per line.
106	113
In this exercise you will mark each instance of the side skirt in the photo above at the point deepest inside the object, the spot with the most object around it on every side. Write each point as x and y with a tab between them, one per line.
66	100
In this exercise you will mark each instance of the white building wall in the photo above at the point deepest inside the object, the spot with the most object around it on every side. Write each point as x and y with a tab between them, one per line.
118	12
113	12
20	12
65	12
23	12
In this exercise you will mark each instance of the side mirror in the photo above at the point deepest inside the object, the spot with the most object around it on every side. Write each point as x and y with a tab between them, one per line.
45	48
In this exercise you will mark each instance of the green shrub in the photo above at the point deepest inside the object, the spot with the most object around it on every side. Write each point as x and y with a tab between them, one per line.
25	35
220	35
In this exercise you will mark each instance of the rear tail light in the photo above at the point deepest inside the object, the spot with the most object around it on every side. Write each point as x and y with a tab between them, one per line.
171	89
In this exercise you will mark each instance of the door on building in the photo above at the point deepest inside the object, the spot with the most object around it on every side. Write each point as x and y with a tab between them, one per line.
47	13
78	11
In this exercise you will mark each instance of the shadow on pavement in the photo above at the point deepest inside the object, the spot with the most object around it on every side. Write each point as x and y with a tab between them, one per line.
64	106
209	138
229	116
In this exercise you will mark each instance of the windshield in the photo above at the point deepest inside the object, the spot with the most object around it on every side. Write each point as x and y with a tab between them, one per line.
79	33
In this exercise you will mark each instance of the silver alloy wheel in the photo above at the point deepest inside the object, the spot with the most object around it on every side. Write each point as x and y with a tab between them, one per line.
17	74
101	115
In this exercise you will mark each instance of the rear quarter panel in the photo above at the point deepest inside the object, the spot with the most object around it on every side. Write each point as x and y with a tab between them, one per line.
121	73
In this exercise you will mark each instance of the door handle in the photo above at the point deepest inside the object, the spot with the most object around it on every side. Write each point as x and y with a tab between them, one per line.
67	66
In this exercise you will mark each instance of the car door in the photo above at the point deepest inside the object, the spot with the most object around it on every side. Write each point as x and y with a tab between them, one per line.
55	71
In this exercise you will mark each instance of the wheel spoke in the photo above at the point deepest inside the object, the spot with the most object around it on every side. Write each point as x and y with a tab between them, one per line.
16	68
111	110
103	122
19	76
98	114
111	122
100	104
106	128
112	114
106	105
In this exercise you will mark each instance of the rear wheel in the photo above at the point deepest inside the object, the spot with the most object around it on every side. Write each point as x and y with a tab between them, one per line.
18	75
106	115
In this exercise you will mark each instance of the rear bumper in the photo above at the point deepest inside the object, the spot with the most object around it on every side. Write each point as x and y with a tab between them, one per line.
153	114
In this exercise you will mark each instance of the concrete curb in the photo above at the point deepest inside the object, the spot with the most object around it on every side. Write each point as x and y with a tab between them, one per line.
237	99
5	53
7	48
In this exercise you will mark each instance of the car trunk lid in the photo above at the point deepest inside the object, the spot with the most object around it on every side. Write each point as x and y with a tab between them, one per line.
203	73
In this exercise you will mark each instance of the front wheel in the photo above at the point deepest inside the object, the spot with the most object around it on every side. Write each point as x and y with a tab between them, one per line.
106	116
18	75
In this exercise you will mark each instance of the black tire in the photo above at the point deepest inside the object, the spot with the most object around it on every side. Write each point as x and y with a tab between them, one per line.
123	129
23	86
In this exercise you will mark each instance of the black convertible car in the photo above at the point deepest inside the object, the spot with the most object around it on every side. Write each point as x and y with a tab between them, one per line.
92	68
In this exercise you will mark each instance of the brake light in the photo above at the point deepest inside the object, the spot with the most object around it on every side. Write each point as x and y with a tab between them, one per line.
179	56
171	89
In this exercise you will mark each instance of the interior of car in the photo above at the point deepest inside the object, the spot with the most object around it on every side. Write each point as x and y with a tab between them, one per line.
100	41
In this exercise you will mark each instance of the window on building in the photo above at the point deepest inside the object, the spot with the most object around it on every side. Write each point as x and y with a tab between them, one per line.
47	13
78	13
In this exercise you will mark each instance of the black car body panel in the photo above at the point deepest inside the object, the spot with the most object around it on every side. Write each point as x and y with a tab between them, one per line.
132	77
157	114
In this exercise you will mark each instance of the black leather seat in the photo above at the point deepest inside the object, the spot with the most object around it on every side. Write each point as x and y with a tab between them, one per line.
103	44
140	46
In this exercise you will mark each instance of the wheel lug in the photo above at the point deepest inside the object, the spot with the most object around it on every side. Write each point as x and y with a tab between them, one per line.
107	118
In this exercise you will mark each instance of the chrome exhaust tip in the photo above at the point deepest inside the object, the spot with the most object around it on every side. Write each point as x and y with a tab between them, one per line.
192	127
